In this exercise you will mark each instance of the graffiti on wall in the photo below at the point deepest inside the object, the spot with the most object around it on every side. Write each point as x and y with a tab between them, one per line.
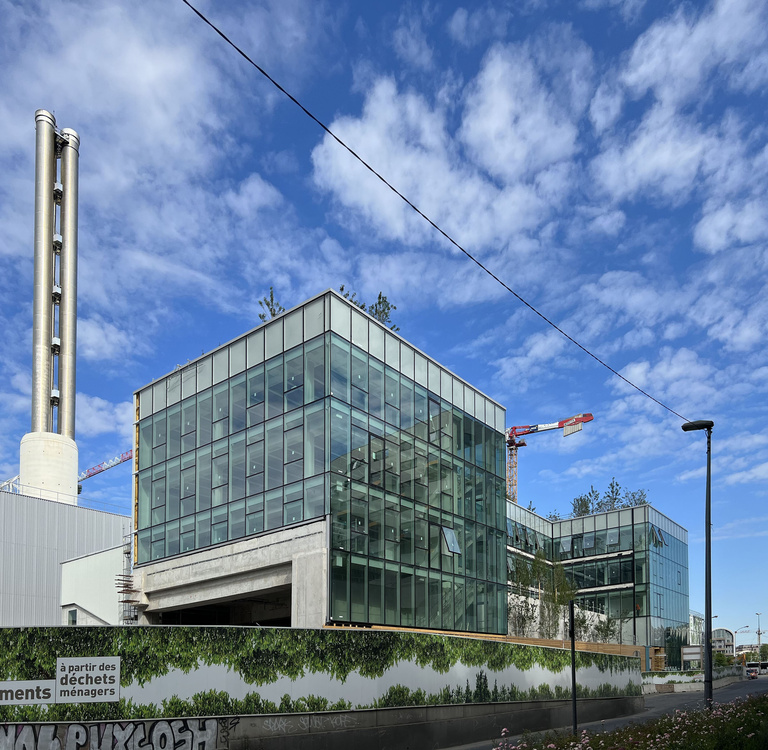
179	734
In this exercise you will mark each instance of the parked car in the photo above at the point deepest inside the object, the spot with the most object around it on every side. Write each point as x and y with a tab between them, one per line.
752	673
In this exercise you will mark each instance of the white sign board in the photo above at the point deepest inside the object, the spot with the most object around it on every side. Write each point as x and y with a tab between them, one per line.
88	679
692	653
27	692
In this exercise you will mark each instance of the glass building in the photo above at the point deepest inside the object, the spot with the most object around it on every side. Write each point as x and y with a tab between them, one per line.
630	564
323	419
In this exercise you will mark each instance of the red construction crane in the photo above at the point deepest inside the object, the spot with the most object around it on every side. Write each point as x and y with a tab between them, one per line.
127	456
574	424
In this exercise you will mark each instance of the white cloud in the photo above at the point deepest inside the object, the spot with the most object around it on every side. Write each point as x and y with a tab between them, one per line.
407	142
629	9
538	354
663	157
470	28
730	225
97	416
638	299
755	474
607	222
410	42
676	55
512	125
99	340
605	107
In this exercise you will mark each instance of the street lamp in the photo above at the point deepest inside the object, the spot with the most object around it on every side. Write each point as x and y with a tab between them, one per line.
706	424
759	633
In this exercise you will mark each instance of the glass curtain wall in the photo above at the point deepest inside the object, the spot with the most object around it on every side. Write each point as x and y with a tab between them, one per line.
293	422
236	445
629	564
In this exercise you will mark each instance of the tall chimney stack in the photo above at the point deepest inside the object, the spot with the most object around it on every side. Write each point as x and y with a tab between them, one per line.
48	460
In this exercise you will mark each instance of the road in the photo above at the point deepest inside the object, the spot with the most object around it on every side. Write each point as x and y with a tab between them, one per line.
656	705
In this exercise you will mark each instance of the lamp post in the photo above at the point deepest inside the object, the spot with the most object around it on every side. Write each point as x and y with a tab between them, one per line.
759	633
706	424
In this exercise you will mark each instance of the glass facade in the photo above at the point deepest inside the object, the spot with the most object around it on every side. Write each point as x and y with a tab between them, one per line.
630	564
323	412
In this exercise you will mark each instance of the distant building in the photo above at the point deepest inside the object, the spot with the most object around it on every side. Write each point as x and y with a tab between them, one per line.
630	565
746	648
723	641
695	628
320	470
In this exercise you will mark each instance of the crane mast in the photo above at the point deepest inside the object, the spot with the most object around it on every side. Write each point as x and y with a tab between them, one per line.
513	435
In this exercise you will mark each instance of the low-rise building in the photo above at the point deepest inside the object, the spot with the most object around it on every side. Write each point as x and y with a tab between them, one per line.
37	536
630	565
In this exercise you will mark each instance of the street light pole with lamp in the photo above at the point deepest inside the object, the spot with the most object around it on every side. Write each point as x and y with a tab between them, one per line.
706	424
759	633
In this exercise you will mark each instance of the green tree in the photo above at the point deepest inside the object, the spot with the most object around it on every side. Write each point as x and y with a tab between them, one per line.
605	630
381	309
585	505
271	308
522	607
352	297
721	660
613	498
554	601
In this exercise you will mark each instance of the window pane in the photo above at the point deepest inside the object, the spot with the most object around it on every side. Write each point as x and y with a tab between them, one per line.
237	466
314	440
314	497
256	348
360	330
340	366
237	403
375	341
273	339
314	371
220	365
237	357
274	388
339	586
392	354
313	319
293	332
204	374
274	454
340	439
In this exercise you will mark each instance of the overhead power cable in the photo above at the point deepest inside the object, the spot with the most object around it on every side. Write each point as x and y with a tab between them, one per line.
426	218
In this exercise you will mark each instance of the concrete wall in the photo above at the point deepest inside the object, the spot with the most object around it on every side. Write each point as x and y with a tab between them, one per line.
294	557
88	585
422	727
48	466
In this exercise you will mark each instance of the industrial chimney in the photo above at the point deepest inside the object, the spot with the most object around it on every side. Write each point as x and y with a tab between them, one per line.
48	461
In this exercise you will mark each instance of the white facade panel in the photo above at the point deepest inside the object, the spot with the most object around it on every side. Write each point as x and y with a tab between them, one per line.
88	585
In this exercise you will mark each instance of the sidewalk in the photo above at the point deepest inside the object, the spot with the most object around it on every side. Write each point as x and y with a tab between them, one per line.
656	705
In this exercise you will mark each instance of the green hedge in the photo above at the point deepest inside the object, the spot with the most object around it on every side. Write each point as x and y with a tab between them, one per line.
262	655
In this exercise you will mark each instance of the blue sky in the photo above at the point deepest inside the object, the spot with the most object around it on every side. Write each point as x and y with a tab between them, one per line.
606	158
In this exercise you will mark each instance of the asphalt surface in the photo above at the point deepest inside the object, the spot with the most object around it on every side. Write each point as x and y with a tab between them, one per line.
656	705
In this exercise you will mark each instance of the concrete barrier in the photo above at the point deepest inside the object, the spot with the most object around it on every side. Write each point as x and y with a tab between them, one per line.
687	687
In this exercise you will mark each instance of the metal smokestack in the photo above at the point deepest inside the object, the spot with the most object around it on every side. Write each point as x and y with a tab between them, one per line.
42	316
68	281
48	459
